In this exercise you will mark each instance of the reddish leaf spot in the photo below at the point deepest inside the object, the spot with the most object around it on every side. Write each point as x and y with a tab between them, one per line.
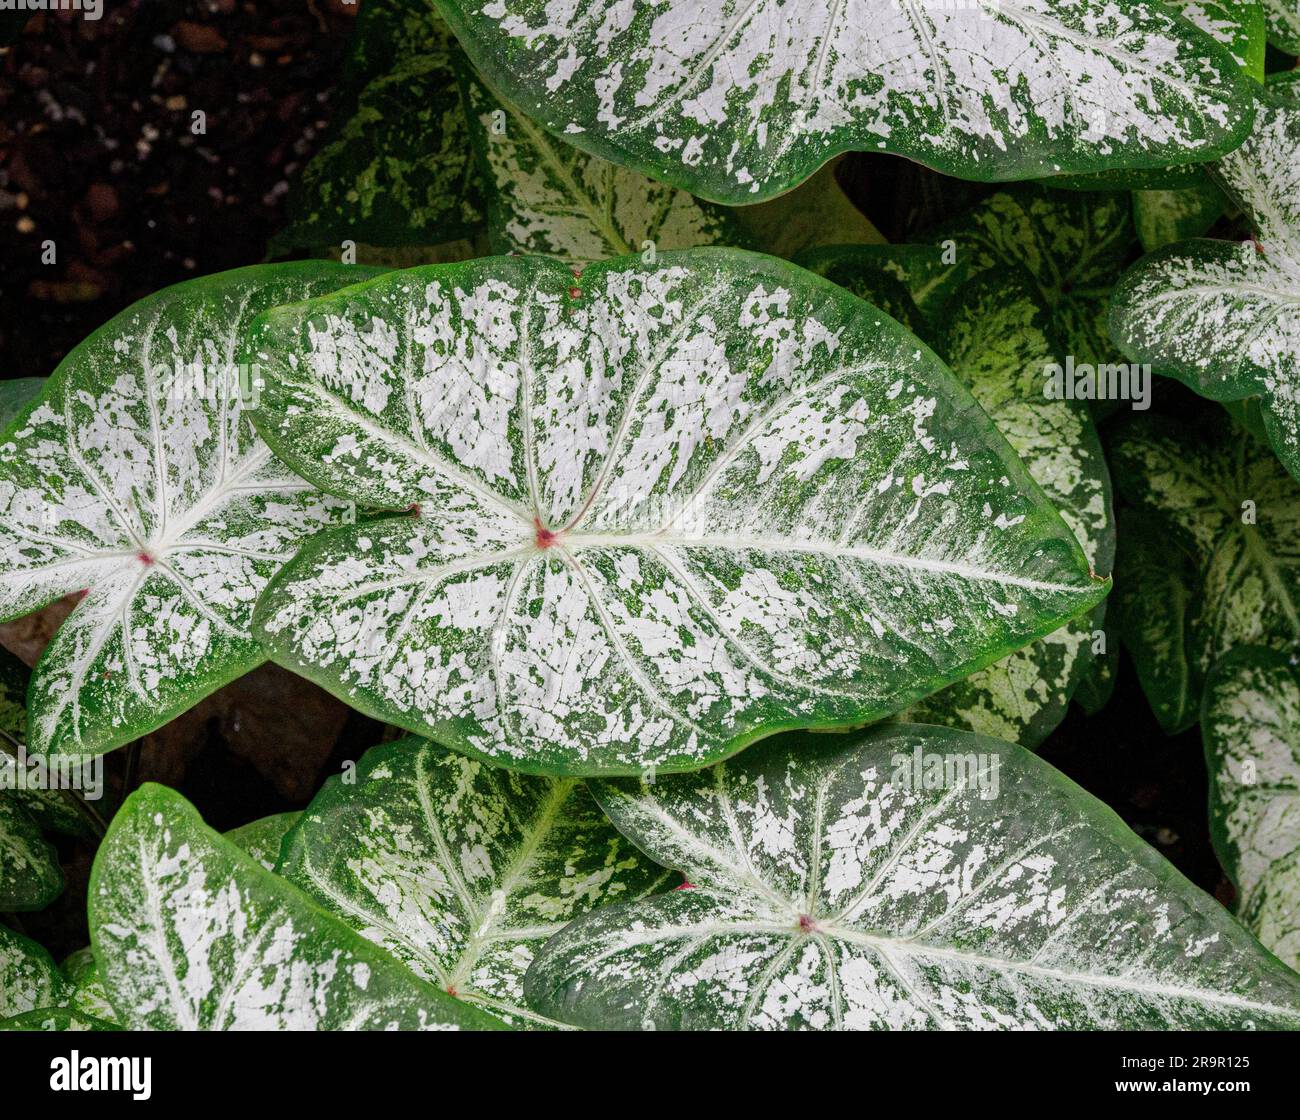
575	293
806	924
145	558
414	509
451	990
545	537
685	885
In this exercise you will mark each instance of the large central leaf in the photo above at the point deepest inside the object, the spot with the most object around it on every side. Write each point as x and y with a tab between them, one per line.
910	878
737	100
136	477
662	511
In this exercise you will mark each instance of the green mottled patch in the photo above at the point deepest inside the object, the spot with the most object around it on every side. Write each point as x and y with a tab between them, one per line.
261	838
29	977
909	878
461	870
722	446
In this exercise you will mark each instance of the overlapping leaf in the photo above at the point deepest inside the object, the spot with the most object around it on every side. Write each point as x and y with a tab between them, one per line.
737	100
1209	555
1283	19
86	993
56	1019
398	169
663	511
546	196
1251	726
908	878
136	477
29	978
261	838
462	870
192	934
999	343
1163	217
1224	317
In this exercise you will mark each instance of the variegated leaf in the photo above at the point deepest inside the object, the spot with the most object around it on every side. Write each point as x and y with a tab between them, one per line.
1209	554
461	870
1283	19
999	343
1163	217
398	168
546	196
136	477
1224	317
261	838
192	934
738	100
29	978
56	1019
909	878
86	992
1251	726
662	511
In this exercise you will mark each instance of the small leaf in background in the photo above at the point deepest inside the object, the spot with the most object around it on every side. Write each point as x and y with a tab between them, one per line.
86	990
29	978
17	394
908	878
137	478
261	838
459	870
397	169
737	102
662	511
1283	19
546	196
1224	317
1163	217
1251	726
56	1019
1208	554
999	343
192	934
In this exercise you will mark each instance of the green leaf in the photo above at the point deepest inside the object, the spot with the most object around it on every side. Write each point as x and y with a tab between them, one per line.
912	877
1283	20
999	343
29	977
1097	684
398	168
87	994
1224	317
663	511
737	101
16	395
192	934
460	870
30	877
137	477
1251	727
261	838
546	196
1163	217
1207	558
1073	245
56	1019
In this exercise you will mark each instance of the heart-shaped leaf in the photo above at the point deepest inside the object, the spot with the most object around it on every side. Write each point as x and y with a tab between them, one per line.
999	343
1251	727
1207	559
461	870
1224	317
192	934
29	978
398	169
738	100
137	477
546	196
908	878
261	838
664	511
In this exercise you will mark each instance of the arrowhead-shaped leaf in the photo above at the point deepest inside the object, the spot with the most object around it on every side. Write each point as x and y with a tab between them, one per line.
909	878
999	343
1207	558
663	511
1224	317
1251	726
137	477
192	934
738	100
461	870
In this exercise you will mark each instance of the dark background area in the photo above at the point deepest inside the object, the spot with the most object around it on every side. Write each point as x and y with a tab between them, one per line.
97	155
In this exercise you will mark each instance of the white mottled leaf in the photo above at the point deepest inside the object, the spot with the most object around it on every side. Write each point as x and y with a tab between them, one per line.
546	196
999	343
1224	317
912	877
86	992
1283	19
137	477
261	838
1251	727
738	100
662	511
461	870
56	1019
29	978
1209	553
192	934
